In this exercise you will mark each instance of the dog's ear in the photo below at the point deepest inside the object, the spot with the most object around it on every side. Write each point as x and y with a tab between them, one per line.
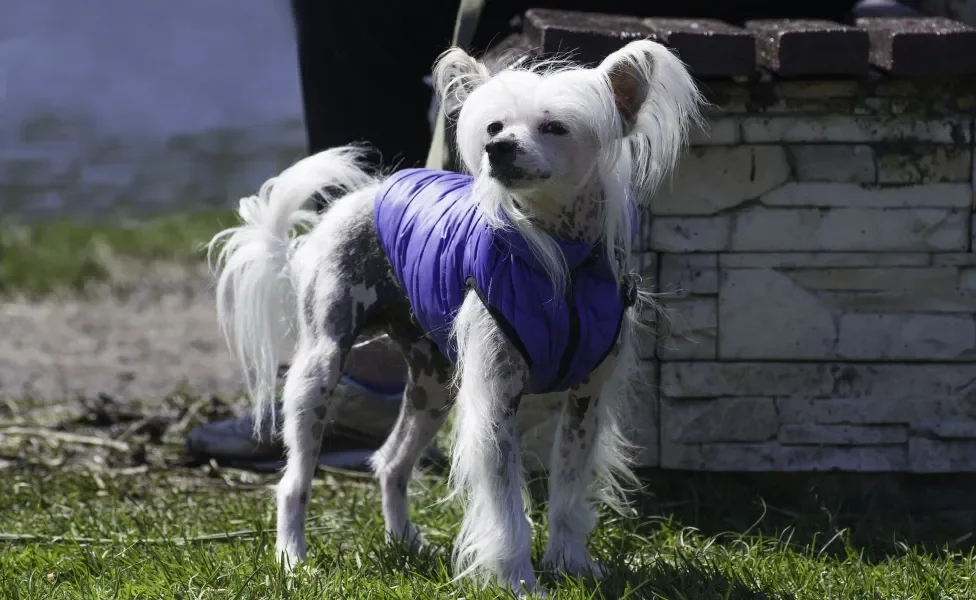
457	74
630	72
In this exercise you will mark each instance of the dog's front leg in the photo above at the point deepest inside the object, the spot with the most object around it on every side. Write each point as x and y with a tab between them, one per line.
495	536
572	469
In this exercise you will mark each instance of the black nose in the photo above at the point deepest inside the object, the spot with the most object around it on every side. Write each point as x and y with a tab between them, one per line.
500	150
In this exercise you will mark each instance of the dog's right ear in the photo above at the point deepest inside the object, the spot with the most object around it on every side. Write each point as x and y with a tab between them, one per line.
457	74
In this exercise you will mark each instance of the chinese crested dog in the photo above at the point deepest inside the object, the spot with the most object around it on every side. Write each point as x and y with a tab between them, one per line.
505	282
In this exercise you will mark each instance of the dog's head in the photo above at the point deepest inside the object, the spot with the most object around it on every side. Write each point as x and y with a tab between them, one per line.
553	125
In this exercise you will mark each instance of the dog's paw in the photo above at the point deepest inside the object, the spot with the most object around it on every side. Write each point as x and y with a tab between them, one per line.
411	539
574	566
289	558
522	589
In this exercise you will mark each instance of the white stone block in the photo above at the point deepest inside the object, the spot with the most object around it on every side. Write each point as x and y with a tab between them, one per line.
832	230
717	132
713	179
907	337
925	164
772	456
687	421
685	275
834	162
813	260
842	435
946	430
691	234
841	129
879	393
852	195
717	379
939	456
689	329
765	314
876	278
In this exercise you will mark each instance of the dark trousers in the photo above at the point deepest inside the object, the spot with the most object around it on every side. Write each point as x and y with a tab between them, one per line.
362	63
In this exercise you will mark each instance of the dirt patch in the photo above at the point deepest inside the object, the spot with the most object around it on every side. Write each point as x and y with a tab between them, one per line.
140	339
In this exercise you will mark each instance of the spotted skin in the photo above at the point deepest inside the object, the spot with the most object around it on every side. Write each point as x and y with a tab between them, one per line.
571	476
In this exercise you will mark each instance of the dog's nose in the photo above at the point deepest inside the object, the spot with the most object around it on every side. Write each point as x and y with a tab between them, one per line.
500	150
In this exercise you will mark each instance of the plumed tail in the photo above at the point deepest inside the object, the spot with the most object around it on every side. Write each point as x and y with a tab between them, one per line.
256	307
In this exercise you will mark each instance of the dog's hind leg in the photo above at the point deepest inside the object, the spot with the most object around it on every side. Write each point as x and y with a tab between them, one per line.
331	319
571	476
426	402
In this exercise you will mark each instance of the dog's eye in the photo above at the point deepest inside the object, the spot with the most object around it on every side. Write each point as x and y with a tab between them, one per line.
554	128
495	127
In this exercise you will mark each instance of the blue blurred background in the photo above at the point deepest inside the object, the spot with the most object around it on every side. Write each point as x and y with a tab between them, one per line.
137	107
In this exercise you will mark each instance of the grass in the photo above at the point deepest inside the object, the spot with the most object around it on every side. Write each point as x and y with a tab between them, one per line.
166	532
77	522
40	258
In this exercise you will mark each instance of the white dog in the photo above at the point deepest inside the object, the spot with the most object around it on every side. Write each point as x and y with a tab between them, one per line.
504	283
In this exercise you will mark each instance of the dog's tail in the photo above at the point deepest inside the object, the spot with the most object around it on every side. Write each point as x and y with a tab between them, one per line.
256	307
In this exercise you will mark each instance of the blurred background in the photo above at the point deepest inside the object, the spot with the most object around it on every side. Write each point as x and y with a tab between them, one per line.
114	106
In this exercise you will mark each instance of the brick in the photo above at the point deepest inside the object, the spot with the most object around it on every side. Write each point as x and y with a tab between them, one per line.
852	195
824	260
713	179
772	456
833	230
841	163
684	275
842	435
709	47
717	379
726	420
810	47
938	456
842	129
921	47
689	330
907	337
590	37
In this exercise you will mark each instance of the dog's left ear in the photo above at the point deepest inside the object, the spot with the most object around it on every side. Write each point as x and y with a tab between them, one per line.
456	75
630	72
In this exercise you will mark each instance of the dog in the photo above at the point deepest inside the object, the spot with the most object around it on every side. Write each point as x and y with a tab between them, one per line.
499	284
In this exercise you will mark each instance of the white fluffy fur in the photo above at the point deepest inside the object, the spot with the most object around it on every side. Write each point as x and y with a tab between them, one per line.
255	293
606	152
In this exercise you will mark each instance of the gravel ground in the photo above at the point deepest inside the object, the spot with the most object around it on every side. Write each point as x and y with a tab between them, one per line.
141	339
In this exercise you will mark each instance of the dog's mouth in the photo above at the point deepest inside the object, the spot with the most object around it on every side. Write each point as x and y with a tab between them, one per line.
511	176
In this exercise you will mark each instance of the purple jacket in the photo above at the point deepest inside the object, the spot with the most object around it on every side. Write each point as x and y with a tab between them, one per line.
440	245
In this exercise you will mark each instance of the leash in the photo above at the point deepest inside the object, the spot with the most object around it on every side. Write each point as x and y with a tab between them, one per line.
469	12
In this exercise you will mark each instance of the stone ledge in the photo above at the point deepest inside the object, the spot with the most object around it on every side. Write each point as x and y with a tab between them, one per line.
749	416
760	229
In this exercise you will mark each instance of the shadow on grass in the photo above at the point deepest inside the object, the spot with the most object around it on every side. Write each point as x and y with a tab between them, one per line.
876	514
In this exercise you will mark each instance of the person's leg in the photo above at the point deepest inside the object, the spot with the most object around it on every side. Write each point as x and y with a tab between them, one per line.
362	69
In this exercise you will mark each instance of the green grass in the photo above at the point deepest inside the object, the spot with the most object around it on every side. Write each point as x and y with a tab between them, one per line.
40	258
205	533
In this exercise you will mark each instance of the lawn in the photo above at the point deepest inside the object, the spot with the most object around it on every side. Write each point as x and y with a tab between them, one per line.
100	505
40	258
79	522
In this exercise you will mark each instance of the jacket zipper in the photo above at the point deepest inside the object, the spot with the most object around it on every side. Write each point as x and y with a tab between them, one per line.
566	362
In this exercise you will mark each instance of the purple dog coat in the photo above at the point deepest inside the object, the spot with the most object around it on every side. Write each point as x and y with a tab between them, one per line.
440	245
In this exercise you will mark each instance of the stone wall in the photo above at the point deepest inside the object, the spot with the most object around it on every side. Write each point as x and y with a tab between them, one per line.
814	254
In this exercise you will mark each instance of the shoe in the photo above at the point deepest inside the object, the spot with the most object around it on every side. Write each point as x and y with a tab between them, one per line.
884	8
365	413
